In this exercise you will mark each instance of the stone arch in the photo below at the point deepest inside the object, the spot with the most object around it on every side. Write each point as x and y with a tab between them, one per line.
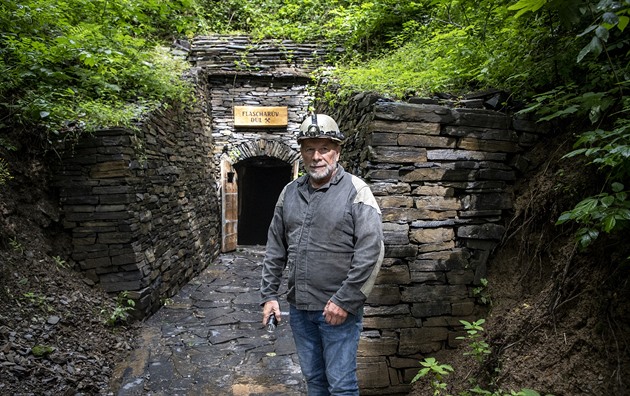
264	147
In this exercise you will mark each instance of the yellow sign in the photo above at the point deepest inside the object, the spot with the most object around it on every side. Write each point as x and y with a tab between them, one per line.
260	116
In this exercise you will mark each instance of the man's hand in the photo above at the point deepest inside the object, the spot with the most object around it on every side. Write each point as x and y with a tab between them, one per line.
334	314
271	307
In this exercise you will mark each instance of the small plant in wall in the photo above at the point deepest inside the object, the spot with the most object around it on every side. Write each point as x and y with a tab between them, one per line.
481	292
120	313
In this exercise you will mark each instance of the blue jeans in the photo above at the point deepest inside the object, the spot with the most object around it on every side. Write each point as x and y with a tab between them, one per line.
328	354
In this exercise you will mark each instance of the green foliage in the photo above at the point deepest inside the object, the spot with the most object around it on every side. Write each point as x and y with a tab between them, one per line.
458	46
38	300
34	298
566	101
523	392
61	263
228	16
479	349
120	313
603	212
437	372
481	292
599	98
80	65
357	26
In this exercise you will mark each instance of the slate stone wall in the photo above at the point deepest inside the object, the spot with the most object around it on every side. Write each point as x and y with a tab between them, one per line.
244	72
443	178
142	205
246	142
240	55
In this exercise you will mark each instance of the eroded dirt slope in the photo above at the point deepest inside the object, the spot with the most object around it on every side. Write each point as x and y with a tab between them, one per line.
559	318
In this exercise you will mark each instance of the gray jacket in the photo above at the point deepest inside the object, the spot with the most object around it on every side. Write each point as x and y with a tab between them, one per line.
331	241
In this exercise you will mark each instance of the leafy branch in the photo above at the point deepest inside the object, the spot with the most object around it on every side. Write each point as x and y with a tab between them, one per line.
602	100
72	66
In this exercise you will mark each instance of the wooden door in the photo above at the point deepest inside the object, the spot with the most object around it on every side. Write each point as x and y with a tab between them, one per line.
229	206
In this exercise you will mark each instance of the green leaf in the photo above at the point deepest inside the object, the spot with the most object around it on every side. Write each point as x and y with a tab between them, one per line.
586	236
622	150
602	33
586	205
609	223
623	22
560	113
594	114
595	46
564	217
530	108
610	18
574	153
529	392
608	200
587	30
421	373
443	369
526	5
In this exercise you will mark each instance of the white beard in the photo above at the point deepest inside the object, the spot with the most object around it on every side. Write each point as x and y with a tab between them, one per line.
324	173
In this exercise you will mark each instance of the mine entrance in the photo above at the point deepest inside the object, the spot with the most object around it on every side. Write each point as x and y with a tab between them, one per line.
260	181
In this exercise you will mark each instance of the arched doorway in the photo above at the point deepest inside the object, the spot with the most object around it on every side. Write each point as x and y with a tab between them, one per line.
260	181
252	177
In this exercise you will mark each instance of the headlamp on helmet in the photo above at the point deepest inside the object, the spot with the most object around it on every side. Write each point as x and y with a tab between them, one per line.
320	126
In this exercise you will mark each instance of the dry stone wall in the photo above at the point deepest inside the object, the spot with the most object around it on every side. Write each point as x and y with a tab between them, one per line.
244	72
240	55
443	178
142	205
246	142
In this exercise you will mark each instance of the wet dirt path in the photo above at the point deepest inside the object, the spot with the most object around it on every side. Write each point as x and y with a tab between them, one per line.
208	339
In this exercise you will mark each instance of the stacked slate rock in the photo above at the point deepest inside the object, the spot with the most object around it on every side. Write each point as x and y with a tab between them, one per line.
443	177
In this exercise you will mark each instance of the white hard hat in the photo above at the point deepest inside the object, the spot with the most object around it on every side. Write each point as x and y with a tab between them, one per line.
320	126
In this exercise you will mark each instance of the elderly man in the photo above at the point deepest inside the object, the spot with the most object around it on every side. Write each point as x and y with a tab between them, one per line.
327	229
